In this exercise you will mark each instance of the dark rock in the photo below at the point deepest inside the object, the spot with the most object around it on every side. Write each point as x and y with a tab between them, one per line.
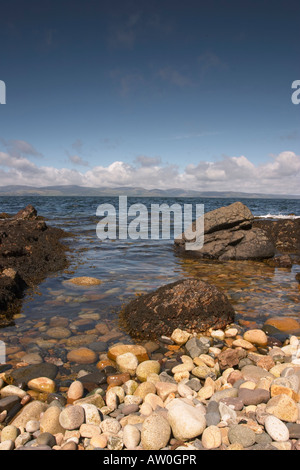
93	380
294	430
195	347
234	402
229	234
212	416
284	233
46	439
29	251
254	397
29	213
14	410
98	346
229	358
281	261
9	402
27	373
191	305
297	277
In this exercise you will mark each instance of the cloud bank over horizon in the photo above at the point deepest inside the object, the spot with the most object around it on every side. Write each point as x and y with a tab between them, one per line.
280	174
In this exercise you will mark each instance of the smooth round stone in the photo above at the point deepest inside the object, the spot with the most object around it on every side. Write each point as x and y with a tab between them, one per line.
257	337
12	390
156	432
276	429
80	340
254	373
139	351
32	410
88	430
186	421
144	388
32	358
242	343
7	445
71	445
218	334
58	321
212	415
58	332
127	363
32	426
131	436
85	281
72	417
180	337
254	397
129	409
47	439
110	425
283	323
50	421
9	433
99	441
42	384
98	346
82	356
146	368
231	332
76	390
211	437
239	434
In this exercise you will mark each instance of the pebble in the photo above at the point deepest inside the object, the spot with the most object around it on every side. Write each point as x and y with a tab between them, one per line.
276	429
159	397
9	433
72	417
146	368
82	356
239	434
127	362
211	437
156	432
186	421
131	436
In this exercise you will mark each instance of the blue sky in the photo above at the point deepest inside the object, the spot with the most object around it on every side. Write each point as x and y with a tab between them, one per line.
190	94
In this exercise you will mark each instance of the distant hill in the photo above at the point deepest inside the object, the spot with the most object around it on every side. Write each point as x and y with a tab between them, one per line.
74	190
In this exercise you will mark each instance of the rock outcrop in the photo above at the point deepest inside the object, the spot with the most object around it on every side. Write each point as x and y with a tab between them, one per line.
29	250
229	233
191	305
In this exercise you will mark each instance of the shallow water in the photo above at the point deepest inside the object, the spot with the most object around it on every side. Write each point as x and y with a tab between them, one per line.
126	268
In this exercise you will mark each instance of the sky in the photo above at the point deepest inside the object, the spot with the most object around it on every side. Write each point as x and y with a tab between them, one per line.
154	94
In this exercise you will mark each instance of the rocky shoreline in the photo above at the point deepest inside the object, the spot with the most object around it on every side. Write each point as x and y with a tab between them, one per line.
193	380
29	251
229	389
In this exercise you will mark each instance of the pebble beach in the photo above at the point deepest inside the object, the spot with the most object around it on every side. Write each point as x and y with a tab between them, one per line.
230	389
74	377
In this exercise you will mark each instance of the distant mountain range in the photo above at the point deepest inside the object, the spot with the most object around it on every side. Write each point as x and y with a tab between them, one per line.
131	191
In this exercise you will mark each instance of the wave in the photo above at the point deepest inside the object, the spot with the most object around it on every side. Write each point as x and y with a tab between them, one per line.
278	216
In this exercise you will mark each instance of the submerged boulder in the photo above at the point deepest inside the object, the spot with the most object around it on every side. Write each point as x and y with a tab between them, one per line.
229	234
190	304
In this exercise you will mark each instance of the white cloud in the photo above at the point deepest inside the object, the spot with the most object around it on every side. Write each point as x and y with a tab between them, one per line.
280	175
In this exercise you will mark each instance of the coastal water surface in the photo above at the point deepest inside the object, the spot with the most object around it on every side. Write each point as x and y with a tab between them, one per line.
130	267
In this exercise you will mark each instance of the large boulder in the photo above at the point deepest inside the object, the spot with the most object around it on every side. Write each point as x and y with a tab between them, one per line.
229	234
190	305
